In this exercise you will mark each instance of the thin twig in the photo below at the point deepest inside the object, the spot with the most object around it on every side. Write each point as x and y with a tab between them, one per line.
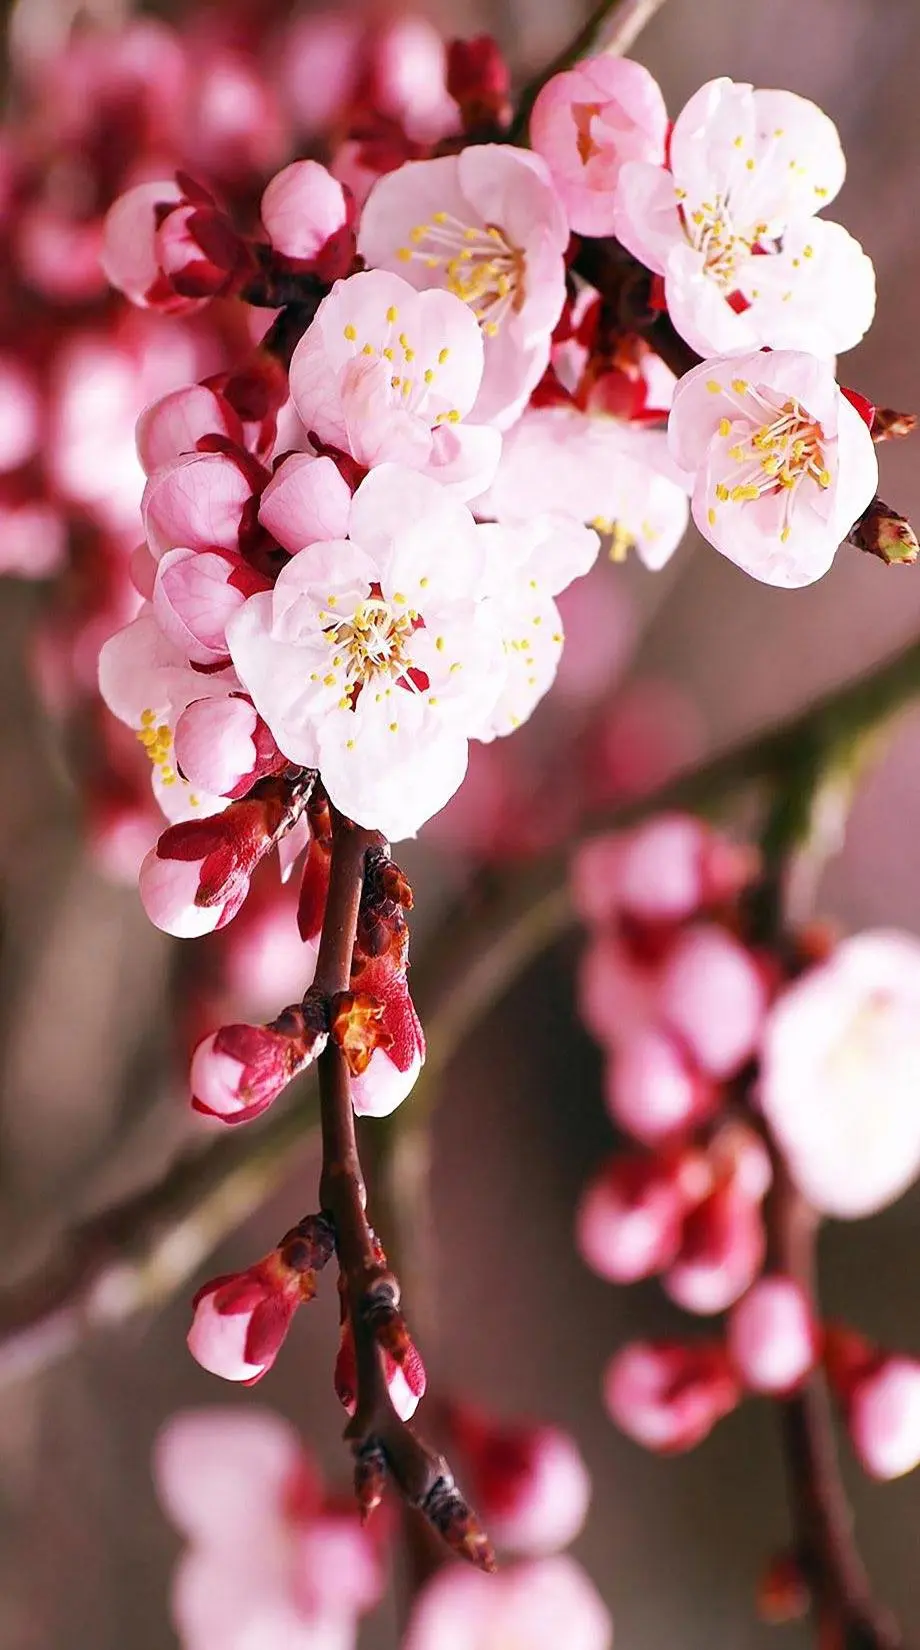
613	25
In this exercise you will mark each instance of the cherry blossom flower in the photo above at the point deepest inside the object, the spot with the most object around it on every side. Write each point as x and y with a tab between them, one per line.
528	1480
533	1606
731	225
712	995
883	1417
668	1396
488	225
841	1074
592	468
167	246
586	123
772	1336
270	1559
303	207
653	1088
238	1071
373	658
389	374
631	1218
783	464
665	870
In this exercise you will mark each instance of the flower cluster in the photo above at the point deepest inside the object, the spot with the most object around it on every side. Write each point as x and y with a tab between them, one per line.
730	1065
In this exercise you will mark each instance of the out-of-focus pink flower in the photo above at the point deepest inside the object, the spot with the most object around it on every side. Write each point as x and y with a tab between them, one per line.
722	1249
883	1417
33	536
389	375
154	248
630	1219
841	1075
239	1070
543	1604
712	994
653	1090
20	413
319	61
668	1396
617	992
586	123
479	81
487	225
782	463
731	225
665	870
772	1336
270	1560
529	1481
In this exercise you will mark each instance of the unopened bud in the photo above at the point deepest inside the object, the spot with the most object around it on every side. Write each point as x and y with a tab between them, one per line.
890	425
357	1026
884	532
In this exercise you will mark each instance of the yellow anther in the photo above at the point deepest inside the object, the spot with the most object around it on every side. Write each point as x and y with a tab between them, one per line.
453	417
558	637
439	643
739	141
349	744
424	582
329	680
741	495
713	386
808	252
392	314
394	727
439	217
398	596
404	254
736	453
442	356
824	478
722	492
429	375
490	328
148	716
368	349
418	233
711	516
350	333
784	535
724	426
395	382
750	164
740	386
387	353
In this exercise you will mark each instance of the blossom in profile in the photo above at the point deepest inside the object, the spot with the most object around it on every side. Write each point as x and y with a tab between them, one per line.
542	1604
587	123
667	1395
840	1074
782	463
528	1479
487	225
270	1557
773	1339
730	225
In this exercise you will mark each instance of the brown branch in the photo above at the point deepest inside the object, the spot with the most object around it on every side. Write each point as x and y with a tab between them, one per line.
613	25
847	1614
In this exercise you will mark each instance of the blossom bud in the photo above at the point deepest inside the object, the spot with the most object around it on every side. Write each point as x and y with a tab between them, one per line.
306	500
406	1380
356	1023
712	995
303	209
652	1089
663	871
630	1219
379	970
167	246
772	1336
456	1522
224	746
239	1070
880	1395
197	876
203	501
196	593
370	1477
588	121
884	532
668	1396
179	421
530	1482
479	81
242	1319
721	1251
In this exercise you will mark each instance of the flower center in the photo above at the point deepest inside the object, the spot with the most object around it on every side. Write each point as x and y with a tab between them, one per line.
371	645
583	114
480	264
710	230
776	455
156	738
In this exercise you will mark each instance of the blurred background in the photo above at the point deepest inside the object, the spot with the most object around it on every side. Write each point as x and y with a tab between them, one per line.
92	1084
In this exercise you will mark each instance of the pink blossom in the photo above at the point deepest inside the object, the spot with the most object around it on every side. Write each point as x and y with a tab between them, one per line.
319	65
195	593
883	1417
617	992
664	870
586	123
841	1073
20	413
306	501
129	250
176	423
653	1090
782	463
270	1559
389	375
722	1248
351	659
240	1320
712	995
630	1219
223	746
593	468
529	1481
543	1604
201	501
239	1070
731	225
33	537
668	1396
488	225
302	208
772	1336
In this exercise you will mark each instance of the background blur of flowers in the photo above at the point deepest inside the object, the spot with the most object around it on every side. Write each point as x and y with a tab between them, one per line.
687	660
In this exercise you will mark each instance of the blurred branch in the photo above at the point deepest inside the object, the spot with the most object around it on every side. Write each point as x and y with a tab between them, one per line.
612	27
140	1252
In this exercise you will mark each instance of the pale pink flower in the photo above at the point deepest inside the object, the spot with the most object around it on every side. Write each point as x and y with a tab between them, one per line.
195	594
711	994
539	1605
772	1336
269	1560
630	1219
302	208
488	225
389	375
665	870
731	225
783	464
841	1075
528	1480
586	123
722	1247
667	1395
374	658
177	422
883	1417
307	500
605	471
653	1090
201	501
527	565
147	682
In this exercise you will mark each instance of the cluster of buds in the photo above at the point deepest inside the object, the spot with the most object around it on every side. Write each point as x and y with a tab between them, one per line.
722	1059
